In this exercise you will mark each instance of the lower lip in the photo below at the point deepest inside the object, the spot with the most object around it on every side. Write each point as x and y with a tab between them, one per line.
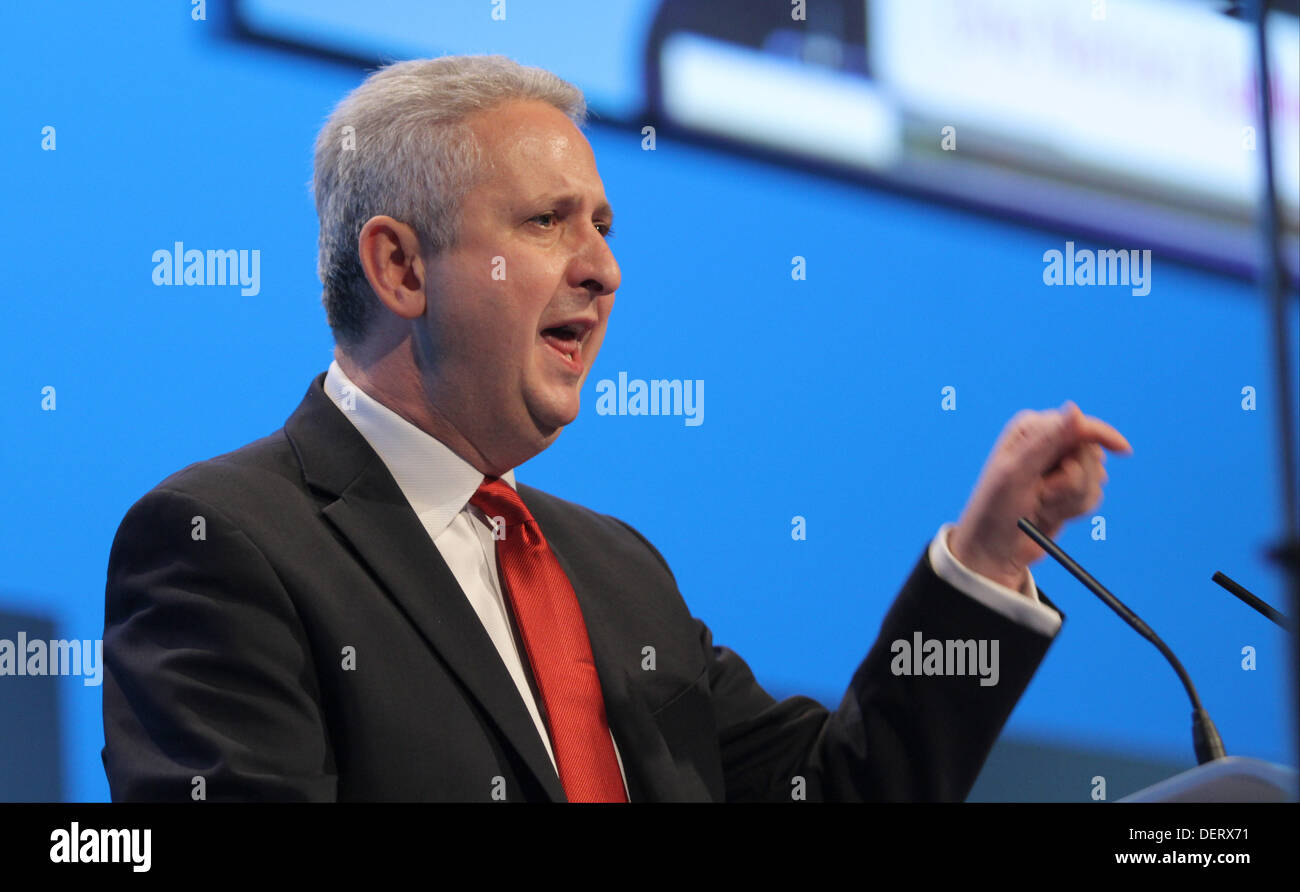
571	364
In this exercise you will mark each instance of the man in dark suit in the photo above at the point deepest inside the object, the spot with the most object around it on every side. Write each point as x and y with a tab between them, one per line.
365	605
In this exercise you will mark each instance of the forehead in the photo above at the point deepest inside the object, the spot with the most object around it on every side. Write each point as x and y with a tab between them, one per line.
535	143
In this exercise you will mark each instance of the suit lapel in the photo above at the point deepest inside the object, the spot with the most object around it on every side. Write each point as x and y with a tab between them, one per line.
651	773
372	514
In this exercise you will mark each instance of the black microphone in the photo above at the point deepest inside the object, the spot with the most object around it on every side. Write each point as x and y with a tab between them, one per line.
1259	604
1205	737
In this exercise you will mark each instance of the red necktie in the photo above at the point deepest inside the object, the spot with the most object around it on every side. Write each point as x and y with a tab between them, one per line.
555	638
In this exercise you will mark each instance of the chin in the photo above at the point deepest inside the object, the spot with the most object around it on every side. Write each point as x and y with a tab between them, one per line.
551	419
564	419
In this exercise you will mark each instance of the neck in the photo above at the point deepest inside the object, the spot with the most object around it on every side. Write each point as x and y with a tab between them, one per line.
398	386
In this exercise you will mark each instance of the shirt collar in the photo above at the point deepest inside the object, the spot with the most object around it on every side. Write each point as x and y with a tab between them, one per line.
436	481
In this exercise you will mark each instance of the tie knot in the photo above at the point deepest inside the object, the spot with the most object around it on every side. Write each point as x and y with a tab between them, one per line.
496	498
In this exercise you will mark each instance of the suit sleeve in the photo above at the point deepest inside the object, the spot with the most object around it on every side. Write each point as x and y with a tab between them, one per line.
894	737
208	674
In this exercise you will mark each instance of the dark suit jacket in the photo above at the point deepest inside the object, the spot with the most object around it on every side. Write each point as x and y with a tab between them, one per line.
225	656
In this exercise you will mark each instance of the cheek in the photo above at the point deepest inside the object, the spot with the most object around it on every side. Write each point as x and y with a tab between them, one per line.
481	317
606	305
521	302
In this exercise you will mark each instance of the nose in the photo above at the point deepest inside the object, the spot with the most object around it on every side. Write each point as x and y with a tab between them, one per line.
593	266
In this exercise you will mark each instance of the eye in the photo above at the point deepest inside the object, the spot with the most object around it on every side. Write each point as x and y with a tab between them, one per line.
550	214
606	230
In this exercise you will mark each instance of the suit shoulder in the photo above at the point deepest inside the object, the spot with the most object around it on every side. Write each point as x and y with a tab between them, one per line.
265	469
585	524
544	503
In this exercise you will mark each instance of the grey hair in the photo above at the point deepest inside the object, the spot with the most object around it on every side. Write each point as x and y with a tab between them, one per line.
399	145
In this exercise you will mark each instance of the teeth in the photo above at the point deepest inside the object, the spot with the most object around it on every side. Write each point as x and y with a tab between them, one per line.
569	356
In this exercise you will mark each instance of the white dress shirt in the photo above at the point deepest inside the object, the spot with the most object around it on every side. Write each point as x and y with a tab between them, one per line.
438	484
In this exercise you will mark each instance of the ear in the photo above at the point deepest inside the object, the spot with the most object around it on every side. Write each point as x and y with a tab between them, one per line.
390	255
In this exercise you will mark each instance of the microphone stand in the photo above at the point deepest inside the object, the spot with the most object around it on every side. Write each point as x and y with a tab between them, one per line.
1275	290
1205	737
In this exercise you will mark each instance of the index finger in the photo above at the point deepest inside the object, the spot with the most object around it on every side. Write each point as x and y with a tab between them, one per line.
1094	430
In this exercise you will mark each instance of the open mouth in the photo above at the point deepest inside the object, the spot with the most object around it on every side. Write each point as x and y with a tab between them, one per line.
567	340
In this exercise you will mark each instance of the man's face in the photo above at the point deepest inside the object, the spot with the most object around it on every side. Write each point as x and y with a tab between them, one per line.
517	310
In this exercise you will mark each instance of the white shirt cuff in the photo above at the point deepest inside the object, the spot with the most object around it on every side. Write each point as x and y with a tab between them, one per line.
1020	607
